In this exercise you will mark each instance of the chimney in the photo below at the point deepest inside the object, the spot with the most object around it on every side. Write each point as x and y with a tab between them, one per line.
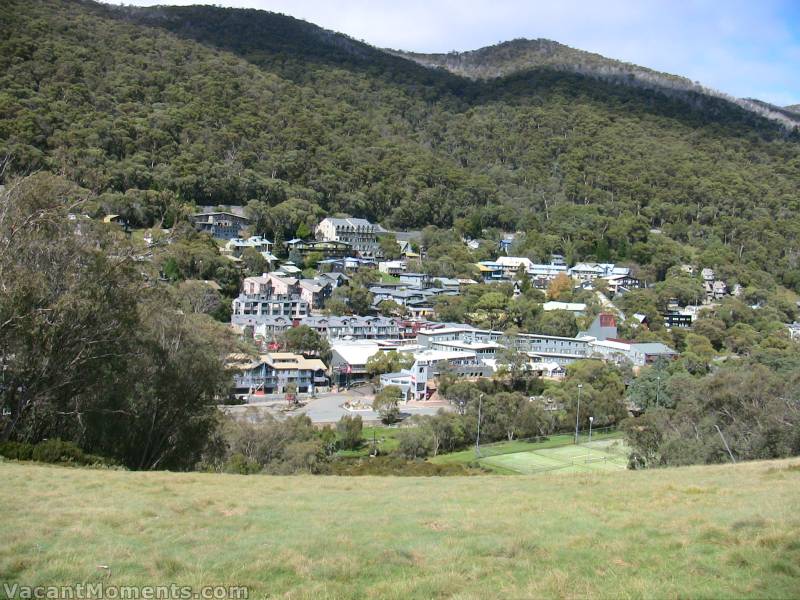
607	320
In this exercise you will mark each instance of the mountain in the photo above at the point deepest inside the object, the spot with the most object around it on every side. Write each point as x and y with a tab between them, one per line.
507	58
795	108
777	113
518	55
152	108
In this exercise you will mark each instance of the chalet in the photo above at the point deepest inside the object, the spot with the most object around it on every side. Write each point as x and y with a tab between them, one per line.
236	246
677	319
222	225
315	292
419	382
274	373
415	279
395	268
491	271
512	264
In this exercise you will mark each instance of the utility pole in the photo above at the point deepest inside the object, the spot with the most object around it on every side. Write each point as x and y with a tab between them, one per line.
478	437
578	412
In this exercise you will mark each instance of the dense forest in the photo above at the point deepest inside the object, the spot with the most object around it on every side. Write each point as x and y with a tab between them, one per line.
507	58
149	109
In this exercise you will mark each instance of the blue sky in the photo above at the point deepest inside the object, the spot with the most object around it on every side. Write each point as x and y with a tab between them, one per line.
743	48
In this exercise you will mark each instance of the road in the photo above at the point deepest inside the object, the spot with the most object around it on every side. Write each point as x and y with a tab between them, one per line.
328	407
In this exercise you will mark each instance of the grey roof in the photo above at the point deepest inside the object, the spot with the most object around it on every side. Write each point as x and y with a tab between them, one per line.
239	211
310	284
354	222
330	321
220	212
654	348
405	236
313	320
447	281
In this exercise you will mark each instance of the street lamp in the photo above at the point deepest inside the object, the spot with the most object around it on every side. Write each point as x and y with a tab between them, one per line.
578	412
591	420
478	437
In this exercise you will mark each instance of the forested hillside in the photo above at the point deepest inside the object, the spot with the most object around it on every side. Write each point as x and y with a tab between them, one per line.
513	56
153	108
520	55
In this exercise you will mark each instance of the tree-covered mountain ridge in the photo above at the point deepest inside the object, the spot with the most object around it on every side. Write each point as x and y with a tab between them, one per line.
281	33
507	58
153	109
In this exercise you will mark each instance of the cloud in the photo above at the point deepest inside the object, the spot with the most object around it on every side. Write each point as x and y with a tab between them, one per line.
740	47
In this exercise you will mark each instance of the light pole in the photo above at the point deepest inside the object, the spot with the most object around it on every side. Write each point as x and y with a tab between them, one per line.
591	420
478	437
578	412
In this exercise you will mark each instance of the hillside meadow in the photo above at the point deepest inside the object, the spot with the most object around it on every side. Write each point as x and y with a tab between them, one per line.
700	532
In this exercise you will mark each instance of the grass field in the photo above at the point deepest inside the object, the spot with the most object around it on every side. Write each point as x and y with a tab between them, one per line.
606	452
725	531
600	455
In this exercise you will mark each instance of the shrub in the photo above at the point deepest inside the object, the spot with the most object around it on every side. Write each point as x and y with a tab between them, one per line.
397	466
415	442
16	450
239	464
59	451
349	430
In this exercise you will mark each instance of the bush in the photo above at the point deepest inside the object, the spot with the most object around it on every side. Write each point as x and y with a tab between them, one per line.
415	442
16	450
396	466
239	464
349	431
59	451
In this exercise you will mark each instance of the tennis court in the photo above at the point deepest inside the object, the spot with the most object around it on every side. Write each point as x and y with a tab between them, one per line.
599	455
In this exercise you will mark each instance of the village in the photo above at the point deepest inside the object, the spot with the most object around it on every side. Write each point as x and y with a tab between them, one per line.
399	325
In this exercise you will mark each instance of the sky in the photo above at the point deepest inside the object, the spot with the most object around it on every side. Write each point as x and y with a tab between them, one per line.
745	48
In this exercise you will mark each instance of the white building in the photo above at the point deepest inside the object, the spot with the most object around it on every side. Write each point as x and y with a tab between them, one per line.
511	265
548	272
418	382
359	233
238	245
574	307
638	354
394	268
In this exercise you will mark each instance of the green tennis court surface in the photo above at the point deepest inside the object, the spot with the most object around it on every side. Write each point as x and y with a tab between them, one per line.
600	455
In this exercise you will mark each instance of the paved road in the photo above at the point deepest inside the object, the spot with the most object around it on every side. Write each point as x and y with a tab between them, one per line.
328	407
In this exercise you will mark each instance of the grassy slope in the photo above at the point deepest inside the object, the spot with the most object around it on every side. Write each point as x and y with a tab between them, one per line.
721	531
